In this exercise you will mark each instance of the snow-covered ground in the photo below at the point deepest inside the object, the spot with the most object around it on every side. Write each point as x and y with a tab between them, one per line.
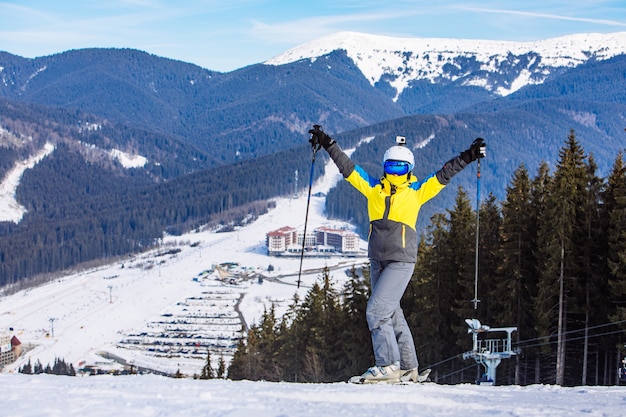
154	396
83	316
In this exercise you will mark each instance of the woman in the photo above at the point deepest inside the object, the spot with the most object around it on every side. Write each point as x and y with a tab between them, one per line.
393	203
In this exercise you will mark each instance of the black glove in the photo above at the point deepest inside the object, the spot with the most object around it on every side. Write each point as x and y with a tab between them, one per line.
319	138
478	149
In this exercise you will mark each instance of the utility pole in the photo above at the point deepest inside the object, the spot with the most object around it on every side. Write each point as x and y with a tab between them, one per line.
51	320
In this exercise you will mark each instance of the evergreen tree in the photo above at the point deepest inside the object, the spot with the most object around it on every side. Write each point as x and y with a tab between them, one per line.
252	368
292	342
460	269
268	339
421	304
207	370
560	247
309	334
319	313
27	369
539	192
592	301
517	252
615	201
221	368
489	308
238	365
430	295
38	368
355	338
59	367
516	289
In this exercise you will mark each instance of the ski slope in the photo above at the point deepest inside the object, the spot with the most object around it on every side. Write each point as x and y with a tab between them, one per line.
154	396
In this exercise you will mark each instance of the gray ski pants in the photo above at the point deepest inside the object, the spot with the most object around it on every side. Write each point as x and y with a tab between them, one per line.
391	336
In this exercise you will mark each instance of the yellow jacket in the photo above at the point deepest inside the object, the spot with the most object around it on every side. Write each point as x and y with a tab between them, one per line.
393	204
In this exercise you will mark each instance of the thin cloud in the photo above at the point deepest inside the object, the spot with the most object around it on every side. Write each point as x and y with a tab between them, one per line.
316	26
604	22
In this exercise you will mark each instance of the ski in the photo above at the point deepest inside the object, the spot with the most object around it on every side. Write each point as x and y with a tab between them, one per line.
421	378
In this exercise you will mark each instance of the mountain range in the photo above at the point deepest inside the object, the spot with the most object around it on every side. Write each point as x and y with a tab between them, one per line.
212	142
500	67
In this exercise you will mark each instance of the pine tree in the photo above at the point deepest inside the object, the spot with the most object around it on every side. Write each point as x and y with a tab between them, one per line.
594	280
268	343
355	337
613	226
560	245
252	369
517	251
207	370
38	368
460	270
489	263
539	193
319	314
421	302
517	286
237	367
432	293
292	342
615	201
27	369
221	368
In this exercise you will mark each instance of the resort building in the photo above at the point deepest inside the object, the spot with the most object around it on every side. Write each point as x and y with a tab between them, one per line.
322	241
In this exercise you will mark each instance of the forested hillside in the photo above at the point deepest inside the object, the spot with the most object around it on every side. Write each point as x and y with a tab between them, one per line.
169	156
70	222
245	114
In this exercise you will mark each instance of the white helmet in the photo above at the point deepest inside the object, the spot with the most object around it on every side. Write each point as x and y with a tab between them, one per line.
400	153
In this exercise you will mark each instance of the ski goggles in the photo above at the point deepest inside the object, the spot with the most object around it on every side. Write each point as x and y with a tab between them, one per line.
397	167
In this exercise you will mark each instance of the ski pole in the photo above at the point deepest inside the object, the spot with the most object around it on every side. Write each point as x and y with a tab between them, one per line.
476	300
483	153
314	147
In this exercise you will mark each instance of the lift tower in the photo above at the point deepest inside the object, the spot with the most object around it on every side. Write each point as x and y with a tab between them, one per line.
489	352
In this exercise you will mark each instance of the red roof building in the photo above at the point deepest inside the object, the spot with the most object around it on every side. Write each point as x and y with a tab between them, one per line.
10	348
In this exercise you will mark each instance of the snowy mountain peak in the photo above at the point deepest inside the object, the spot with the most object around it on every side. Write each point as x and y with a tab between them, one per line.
501	67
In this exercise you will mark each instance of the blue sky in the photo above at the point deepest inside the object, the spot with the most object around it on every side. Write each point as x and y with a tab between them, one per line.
224	35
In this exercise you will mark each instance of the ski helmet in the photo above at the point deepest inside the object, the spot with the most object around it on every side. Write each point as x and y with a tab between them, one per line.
400	153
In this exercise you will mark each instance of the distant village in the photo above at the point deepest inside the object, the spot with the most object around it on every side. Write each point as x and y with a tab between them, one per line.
322	241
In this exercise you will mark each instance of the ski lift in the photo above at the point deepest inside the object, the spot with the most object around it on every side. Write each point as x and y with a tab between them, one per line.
489	352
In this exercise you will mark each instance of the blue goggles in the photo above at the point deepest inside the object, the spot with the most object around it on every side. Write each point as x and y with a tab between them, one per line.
397	167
